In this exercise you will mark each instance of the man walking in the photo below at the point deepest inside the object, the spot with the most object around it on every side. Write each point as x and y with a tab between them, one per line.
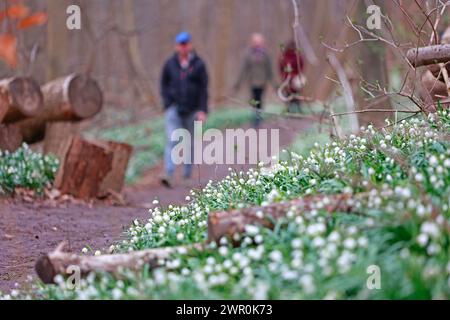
184	90
256	71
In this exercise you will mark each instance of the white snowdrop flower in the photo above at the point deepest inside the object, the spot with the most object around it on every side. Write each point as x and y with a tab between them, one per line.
111	248
259	239
329	161
433	249
223	241
251	230
433	161
363	242
313	182
447	163
59	279
116	294
296	243
155	202
136	223
318	242
208	269
419	177
161	229
227	264
388	137
188	198
421	211
334	236
97	253
371	171
430	228
223	251
158	219
349	243
307	283
352	230
84	250
276	256
180	236
422	239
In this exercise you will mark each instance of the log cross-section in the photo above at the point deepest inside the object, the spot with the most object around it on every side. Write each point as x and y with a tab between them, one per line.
72	98
20	97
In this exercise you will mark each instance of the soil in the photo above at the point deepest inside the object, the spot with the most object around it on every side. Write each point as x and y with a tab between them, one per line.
31	229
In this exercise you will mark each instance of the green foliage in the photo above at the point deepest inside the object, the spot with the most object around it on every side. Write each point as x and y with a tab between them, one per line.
398	185
27	169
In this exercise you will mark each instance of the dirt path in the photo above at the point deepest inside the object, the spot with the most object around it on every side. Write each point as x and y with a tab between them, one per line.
29	230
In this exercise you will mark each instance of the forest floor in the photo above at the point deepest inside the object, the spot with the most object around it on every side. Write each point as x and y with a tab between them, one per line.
29	230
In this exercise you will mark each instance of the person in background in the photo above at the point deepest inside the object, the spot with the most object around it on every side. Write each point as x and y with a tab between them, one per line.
184	90
256	71
291	67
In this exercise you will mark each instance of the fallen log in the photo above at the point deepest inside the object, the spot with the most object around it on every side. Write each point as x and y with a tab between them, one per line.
228	223
20	97
72	98
10	138
424	56
83	168
62	263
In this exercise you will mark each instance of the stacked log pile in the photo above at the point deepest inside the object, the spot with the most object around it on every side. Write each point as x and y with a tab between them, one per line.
50	116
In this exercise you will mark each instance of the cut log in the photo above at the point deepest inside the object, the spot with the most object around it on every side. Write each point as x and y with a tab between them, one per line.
57	136
424	56
59	262
71	98
83	169
228	223
74	97
10	138
114	180
20	97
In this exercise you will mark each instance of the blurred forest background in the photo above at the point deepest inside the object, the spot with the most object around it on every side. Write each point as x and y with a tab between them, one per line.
125	42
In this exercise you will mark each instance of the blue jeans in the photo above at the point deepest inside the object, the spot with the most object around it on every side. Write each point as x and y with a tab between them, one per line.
173	122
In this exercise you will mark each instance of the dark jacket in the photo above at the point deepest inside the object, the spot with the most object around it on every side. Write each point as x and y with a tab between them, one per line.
185	88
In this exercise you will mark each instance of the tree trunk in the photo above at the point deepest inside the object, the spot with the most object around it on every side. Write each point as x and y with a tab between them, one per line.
83	168
58	262
10	138
70	98
227	223
114	180
20	98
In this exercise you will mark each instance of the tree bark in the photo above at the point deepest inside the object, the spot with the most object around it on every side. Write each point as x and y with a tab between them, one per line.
72	98
10	138
429	55
58	261
83	168
20	97
57	136
227	223
114	180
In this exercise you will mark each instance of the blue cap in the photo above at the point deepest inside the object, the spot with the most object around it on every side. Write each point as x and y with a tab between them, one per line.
183	37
